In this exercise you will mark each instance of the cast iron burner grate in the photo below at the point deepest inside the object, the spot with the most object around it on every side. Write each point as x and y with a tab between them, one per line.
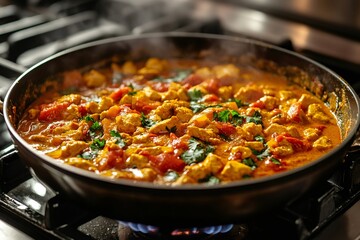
44	214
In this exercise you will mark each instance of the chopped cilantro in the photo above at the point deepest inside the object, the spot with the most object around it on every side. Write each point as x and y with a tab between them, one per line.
195	95
261	155
257	118
260	139
171	176
230	116
275	161
132	93
250	162
98	144
117	136
146	122
211	180
95	126
88	155
197	151
88	118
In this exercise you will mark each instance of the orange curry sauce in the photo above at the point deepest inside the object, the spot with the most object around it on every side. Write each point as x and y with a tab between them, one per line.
180	122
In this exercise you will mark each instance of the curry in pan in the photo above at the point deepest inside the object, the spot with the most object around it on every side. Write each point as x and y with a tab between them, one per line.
179	122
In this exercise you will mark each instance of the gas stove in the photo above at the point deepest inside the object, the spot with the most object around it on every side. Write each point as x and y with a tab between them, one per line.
33	30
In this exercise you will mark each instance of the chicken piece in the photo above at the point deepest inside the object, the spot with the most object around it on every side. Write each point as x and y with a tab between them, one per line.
315	112
153	66
147	174
206	135
275	128
129	68
283	148
258	146
71	98
307	99
169	95
234	170
165	125
270	102
322	143
156	150
197	171
72	112
137	160
204	72
226	92
128	123
104	104
184	114
69	149
184	179
152	94
200	120
167	109
214	163
249	94
182	94
293	131
286	95
240	152
312	134
94	78
228	70
253	129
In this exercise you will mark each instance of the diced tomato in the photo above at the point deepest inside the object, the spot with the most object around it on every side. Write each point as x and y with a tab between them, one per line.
296	113
298	144
258	104
210	98
114	160
167	161
192	80
212	85
52	111
82	110
118	94
225	128
178	143
145	107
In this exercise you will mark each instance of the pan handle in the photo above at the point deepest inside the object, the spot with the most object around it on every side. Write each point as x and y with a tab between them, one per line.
9	70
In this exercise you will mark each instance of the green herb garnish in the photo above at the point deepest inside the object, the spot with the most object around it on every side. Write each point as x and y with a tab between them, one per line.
257	118
98	144
197	151
146	122
195	95
230	116
275	161
250	162
119	140
88	155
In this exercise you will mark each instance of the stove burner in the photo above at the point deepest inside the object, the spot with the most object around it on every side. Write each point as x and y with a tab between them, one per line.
153	232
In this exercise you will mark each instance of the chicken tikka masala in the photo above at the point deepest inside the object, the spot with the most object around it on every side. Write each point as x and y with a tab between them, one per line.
180	122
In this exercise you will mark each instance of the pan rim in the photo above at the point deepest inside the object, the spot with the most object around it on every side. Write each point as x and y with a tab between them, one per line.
246	183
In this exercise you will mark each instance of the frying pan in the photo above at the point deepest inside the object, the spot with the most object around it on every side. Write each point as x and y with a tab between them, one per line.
189	205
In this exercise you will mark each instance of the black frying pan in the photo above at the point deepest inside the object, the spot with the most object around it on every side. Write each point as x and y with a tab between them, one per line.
190	205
